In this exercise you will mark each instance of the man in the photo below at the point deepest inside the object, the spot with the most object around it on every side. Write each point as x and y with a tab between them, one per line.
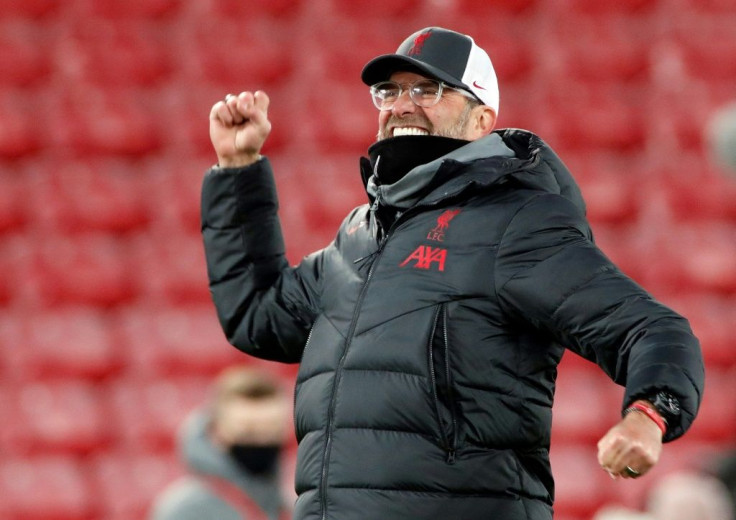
430	329
232	451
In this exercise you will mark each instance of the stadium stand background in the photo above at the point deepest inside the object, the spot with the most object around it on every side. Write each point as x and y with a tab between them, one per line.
107	332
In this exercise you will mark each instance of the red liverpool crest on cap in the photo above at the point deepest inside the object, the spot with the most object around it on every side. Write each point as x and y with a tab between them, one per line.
416	47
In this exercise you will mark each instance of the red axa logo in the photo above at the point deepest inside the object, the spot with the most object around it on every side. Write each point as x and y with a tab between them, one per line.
426	257
416	47
443	222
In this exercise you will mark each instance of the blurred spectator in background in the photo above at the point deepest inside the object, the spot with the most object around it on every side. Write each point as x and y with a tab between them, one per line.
232	451
725	471
690	496
720	133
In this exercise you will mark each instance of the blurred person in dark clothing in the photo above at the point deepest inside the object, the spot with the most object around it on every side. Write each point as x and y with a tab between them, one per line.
232	450
430	330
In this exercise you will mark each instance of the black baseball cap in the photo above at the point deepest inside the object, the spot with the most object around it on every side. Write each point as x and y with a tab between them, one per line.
442	54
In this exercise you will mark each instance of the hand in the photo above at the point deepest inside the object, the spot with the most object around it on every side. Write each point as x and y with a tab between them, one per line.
635	443
239	126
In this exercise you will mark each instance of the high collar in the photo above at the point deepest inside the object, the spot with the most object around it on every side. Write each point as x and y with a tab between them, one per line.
394	157
420	180
511	154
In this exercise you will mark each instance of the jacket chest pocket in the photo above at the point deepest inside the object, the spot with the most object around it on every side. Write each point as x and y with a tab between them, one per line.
441	384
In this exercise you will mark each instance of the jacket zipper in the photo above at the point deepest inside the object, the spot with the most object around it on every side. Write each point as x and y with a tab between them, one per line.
448	441
449	392
336	380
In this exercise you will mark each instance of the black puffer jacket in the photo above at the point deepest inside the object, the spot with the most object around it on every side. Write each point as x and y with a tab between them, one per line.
429	349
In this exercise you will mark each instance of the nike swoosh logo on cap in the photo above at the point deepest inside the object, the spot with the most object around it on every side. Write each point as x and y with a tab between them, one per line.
475	84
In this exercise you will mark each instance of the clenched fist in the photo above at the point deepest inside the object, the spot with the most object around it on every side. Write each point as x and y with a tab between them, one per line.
631	447
239	126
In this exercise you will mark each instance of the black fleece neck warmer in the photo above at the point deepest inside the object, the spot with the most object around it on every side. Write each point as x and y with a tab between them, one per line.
394	157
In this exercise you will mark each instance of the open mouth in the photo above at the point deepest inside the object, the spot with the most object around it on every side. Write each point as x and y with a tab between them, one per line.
408	130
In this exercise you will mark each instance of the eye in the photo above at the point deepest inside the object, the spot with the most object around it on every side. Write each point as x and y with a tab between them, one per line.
386	91
426	89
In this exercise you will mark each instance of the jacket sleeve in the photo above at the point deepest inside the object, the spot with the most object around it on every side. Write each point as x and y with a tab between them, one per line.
550	274
265	307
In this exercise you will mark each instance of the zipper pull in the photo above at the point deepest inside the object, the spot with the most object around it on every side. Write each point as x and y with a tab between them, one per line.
451	456
358	260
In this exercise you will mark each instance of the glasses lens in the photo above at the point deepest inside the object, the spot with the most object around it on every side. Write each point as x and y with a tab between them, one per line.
385	94
426	93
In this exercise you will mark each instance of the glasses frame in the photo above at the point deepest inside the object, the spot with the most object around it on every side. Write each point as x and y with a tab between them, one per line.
442	86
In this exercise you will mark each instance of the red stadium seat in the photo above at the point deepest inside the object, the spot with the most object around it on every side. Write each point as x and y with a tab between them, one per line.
126	483
694	193
63	343
14	196
44	488
115	120
241	57
603	49
142	50
145	414
707	43
25	54
605	118
29	8
716	7
486	10
629	7
175	181
19	135
377	8
170	341
702	256
86	269
170	268
239	9
56	417
91	194
148	9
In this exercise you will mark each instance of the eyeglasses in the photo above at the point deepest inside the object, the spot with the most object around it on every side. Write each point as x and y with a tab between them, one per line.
423	93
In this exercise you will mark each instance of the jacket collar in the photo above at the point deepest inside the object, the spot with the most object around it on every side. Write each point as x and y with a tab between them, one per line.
507	154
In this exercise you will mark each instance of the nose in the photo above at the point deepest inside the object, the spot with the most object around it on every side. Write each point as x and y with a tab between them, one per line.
403	104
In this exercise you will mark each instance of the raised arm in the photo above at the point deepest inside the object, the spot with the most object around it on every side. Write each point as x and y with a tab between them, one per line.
265	307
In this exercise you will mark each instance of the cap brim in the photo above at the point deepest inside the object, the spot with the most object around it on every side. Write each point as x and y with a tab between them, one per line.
381	68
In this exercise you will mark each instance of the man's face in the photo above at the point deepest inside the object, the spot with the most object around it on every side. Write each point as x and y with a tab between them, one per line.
257	422
450	117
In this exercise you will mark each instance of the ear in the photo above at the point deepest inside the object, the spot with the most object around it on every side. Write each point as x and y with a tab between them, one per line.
483	121
486	119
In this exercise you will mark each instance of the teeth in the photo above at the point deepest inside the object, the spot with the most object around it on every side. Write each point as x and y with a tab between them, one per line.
409	131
